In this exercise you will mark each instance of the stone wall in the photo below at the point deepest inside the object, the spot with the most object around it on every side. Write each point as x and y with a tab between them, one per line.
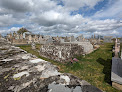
19	41
87	46
62	52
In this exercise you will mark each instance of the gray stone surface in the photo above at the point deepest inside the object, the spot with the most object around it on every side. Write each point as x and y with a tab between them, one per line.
33	45
61	52
107	39
120	40
24	72
116	73
72	39
87	46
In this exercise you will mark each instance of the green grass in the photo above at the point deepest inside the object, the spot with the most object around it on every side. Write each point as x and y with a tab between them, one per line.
94	67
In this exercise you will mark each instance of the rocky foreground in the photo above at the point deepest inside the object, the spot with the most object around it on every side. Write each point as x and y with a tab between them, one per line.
23	72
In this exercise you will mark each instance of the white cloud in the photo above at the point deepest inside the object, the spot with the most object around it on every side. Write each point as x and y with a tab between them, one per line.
76	4
6	20
102	25
17	6
46	17
114	10
5	31
111	32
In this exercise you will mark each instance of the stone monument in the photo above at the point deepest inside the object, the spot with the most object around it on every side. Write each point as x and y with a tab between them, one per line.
0	36
33	45
107	39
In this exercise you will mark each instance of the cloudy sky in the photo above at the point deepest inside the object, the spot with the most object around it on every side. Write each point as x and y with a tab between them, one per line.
62	17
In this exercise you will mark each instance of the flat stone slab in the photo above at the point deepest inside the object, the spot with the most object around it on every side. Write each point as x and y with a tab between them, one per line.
23	72
116	73
117	86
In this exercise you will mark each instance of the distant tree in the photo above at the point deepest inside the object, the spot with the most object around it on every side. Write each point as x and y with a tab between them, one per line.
22	30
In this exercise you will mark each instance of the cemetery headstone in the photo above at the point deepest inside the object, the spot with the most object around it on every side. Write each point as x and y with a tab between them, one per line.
33	45
61	40
72	39
108	39
120	40
49	41
0	36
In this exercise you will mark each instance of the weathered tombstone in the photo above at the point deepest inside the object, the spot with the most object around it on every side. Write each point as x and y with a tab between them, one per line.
0	36
72	39
49	41
33	45
61	40
60	54
120	40
67	39
107	39
117	47
116	73
80	38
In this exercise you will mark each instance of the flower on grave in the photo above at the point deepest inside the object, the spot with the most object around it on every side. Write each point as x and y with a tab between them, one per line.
75	59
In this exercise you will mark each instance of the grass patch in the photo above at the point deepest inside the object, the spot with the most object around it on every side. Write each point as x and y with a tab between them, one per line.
74	66
94	67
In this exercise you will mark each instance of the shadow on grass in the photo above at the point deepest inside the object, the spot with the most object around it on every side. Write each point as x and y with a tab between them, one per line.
107	69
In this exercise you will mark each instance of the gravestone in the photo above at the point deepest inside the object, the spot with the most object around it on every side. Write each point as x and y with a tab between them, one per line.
120	40
86	45
0	36
61	40
72	39
49	41
67	39
107	39
80	38
117	48
116	73
33	45
116	70
60	52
